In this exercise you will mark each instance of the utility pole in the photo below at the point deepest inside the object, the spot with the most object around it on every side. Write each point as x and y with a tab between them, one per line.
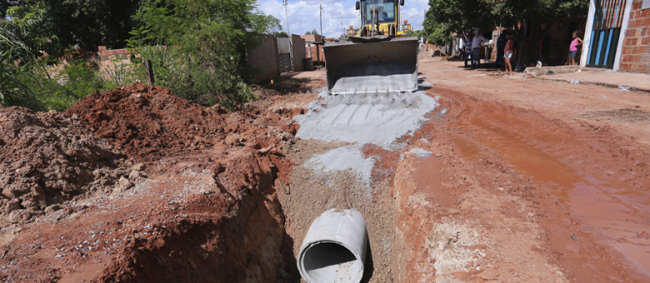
286	14
321	20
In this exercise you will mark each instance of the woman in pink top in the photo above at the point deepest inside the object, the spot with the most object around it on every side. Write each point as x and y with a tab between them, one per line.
573	48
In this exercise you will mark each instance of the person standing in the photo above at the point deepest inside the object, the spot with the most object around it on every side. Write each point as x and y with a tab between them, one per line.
477	42
501	44
573	48
507	52
468	48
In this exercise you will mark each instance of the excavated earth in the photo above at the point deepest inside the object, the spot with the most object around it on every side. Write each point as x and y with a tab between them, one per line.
506	180
135	184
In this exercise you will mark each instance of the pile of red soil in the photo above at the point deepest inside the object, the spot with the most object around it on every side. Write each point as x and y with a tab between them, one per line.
47	159
143	120
206	210
151	122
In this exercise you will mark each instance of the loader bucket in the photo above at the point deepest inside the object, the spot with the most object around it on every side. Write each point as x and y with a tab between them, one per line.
372	67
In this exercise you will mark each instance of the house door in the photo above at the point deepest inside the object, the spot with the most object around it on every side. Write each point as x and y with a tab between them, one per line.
284	49
605	33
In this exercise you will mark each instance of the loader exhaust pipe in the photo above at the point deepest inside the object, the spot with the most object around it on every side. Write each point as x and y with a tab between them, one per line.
334	249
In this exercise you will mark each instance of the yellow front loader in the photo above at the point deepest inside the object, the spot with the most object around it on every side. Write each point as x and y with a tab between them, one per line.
379	58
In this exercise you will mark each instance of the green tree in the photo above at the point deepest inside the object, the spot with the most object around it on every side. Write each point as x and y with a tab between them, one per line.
536	13
434	31
314	32
208	41
308	33
463	16
55	25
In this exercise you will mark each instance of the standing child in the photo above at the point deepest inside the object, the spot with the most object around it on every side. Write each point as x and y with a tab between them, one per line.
573	48
507	53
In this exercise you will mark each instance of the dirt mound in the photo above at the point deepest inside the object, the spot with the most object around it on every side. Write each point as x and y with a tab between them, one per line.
47	159
205	210
144	120
151	122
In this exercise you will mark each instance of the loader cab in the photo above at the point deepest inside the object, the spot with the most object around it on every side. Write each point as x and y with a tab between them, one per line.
389	12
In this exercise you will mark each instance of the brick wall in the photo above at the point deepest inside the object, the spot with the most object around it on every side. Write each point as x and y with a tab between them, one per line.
635	56
316	52
312	37
108	62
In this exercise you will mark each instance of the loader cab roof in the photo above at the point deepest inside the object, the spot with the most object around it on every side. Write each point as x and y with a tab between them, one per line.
387	10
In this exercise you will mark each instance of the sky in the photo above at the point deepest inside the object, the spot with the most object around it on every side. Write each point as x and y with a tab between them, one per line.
304	14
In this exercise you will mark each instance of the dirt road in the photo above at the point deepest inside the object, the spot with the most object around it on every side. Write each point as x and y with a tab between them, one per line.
509	179
539	180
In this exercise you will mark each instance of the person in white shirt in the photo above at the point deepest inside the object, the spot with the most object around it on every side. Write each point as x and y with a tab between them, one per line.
477	42
468	48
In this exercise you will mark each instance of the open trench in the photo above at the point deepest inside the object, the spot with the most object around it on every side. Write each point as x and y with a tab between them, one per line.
455	200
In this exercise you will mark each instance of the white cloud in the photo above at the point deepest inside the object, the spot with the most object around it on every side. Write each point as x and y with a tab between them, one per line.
304	14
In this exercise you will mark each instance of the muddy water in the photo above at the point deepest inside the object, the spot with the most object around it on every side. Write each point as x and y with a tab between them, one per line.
614	212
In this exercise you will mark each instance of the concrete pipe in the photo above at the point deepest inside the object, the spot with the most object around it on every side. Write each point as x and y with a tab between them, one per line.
334	249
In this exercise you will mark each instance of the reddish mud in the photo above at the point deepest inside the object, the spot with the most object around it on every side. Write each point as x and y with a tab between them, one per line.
588	144
518	189
602	181
571	194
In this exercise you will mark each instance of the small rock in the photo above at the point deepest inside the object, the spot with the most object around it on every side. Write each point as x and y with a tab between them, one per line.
438	155
139	167
12	205
234	140
52	208
19	215
135	174
123	184
530	214
500	189
8	193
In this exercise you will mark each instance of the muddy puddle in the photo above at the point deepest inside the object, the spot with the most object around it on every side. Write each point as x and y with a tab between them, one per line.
613	212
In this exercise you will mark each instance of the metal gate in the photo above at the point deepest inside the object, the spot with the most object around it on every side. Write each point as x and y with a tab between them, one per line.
284	49
606	33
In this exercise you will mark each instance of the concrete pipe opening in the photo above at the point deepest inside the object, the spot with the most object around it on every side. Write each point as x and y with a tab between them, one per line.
334	248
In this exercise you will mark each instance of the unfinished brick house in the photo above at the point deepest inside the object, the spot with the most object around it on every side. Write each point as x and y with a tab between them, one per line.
618	36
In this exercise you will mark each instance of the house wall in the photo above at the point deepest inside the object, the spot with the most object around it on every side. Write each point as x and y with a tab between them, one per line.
635	55
265	58
298	46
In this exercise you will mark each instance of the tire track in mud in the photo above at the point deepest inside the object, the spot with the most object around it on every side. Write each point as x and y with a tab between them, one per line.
586	190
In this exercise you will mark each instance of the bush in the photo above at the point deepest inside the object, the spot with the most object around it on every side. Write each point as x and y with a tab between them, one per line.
206	59
15	72
25	80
